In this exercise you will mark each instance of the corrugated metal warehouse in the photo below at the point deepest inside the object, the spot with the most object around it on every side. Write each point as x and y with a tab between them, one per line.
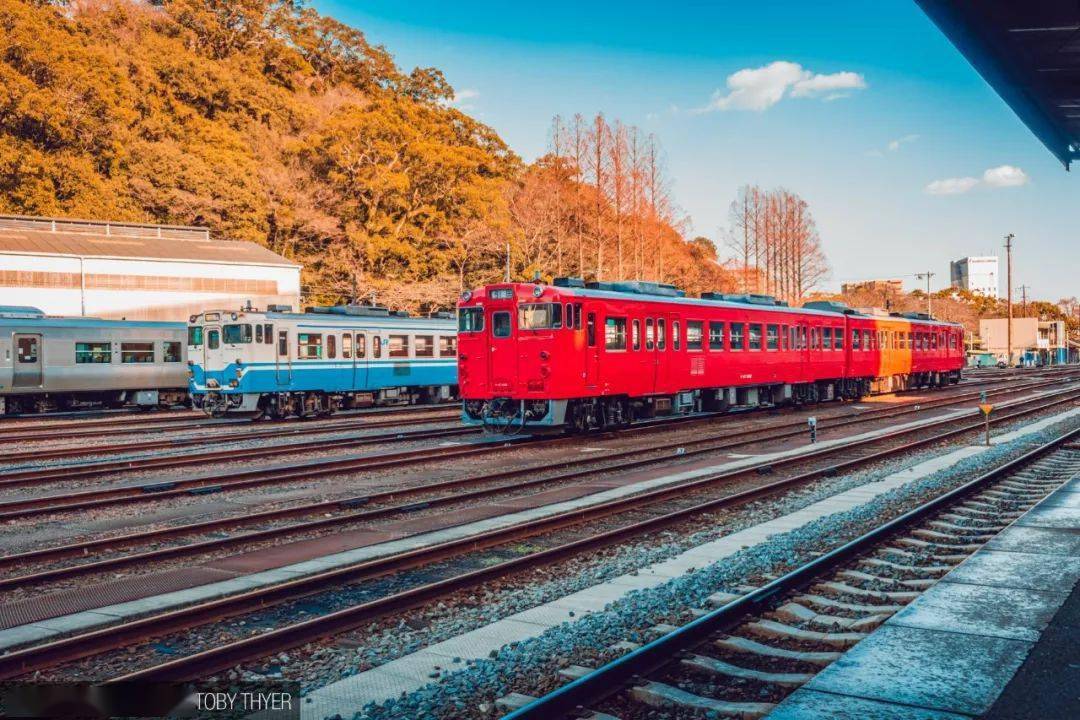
134	271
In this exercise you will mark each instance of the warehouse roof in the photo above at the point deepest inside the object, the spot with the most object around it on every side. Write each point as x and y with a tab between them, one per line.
91	238
1029	52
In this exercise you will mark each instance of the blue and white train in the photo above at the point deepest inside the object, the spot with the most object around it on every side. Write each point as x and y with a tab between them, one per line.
279	363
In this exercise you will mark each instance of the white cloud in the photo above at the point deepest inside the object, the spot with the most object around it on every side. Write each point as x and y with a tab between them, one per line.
1005	176
462	98
896	144
952	186
760	88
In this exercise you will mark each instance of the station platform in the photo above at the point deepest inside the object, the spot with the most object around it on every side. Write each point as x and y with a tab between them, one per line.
998	637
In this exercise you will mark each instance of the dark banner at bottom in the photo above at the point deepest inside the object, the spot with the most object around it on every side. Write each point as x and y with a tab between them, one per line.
256	701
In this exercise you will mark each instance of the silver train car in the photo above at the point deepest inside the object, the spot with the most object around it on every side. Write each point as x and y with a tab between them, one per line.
56	363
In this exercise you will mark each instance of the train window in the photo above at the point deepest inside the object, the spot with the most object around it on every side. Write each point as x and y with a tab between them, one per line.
590	330
909	340
754	336
195	335
331	347
635	335
695	334
716	336
346	346
569	316
540	316
137	352
577	316
425	345
614	333
738	332
649	334
676	335
171	351
661	333
784	338
213	339
399	344
376	346
470	319
94	352
447	346
772	337
259	334
268	334
866	339
855	340
826	338
361	345
500	324
283	344
309	346
838	338
236	334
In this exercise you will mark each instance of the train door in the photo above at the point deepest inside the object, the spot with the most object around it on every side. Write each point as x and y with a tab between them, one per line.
282	359
27	368
592	350
503	353
663	358
360	362
213	353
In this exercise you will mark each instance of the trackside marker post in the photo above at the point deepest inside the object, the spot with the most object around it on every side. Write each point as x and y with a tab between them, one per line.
986	409
811	423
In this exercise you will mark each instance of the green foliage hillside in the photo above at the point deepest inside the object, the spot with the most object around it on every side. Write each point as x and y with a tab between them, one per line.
265	121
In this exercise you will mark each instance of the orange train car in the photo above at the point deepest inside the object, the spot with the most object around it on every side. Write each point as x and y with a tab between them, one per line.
601	355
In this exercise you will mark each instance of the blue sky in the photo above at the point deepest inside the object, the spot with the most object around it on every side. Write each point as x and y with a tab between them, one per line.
872	116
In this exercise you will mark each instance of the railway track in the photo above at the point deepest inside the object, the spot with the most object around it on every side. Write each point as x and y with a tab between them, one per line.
755	648
826	461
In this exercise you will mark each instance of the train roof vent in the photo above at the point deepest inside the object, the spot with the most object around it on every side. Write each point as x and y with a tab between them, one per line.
356	310
279	308
637	287
916	316
749	298
829	306
20	311
568	282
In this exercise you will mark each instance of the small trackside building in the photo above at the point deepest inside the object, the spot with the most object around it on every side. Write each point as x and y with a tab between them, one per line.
135	271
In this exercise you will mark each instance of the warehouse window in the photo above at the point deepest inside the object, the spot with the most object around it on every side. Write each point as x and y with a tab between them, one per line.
716	336
635	335
676	335
309	346
738	332
650	335
500	324
137	352
447	346
470	319
93	352
171	350
195	335
695	334
213	339
772	337
346	346
661	333
236	334
399	344
838	336
331	346
755	336
614	333
425	346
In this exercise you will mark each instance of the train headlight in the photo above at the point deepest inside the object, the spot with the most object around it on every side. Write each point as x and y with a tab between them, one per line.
538	290
212	383
466	296
234	383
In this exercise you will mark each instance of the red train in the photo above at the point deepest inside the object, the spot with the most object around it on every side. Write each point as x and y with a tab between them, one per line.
601	355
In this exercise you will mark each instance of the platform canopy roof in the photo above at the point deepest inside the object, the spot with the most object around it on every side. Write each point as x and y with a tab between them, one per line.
1029	52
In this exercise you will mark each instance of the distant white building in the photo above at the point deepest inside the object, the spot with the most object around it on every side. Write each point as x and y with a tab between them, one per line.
976	274
135	271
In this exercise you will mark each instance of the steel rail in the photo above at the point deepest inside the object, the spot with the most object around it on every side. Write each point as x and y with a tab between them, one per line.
20	662
615	675
83	548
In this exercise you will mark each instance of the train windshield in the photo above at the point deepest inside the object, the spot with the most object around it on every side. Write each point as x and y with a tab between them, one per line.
236	334
195	335
470	319
540	316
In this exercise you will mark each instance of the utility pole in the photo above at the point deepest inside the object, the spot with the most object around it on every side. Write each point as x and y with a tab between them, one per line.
507	261
1008	270
1023	298
927	275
